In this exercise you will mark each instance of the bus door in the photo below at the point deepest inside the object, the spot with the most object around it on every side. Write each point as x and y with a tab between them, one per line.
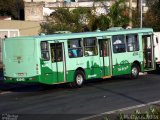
105	56
148	52
58	62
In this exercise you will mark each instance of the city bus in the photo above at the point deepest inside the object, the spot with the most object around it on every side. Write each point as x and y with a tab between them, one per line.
78	57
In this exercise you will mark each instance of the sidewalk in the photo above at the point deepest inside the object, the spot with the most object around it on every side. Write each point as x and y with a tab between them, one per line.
113	115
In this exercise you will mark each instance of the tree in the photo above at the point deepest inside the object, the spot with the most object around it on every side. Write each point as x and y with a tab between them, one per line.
85	19
65	20
119	13
102	22
152	17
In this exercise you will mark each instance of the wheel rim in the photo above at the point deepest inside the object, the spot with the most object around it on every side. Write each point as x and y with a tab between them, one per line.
134	71
79	79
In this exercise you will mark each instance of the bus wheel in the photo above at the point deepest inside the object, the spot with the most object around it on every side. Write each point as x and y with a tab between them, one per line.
78	79
134	71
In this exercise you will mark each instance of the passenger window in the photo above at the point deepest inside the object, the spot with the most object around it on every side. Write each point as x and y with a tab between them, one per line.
75	48
90	46
118	42
45	51
132	43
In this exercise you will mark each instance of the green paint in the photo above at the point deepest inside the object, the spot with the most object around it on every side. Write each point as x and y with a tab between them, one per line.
121	69
124	67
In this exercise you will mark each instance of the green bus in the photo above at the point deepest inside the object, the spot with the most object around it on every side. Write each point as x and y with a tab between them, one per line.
77	57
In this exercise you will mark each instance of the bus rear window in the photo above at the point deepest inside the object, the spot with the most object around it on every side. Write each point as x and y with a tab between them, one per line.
45	51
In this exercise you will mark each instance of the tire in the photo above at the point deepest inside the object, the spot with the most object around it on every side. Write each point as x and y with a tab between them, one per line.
78	79
134	71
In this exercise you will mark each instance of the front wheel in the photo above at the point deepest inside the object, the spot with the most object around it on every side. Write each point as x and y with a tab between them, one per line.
78	79
134	71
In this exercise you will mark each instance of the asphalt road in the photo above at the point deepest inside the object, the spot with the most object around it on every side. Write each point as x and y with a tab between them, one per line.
61	102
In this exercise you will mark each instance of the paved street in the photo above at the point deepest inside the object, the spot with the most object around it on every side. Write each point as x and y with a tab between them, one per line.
97	96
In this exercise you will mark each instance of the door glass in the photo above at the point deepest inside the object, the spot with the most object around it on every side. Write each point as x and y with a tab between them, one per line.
56	52
104	57
103	48
147	47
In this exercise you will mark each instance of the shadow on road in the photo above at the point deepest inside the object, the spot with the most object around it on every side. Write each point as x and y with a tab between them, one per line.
19	87
26	87
22	87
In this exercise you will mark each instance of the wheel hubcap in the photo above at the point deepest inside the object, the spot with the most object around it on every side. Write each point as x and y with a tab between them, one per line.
79	79
134	71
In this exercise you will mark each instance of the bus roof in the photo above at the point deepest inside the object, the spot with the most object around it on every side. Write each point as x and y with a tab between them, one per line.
65	36
94	34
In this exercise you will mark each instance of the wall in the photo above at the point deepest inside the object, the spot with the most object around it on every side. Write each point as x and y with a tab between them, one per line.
26	28
14	28
34	11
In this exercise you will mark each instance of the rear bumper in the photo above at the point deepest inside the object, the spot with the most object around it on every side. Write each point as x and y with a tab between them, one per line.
34	79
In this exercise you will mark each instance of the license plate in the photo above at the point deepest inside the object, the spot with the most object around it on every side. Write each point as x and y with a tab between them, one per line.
20	79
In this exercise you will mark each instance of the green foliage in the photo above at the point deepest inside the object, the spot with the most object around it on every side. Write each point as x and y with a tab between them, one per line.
65	20
102	22
152	113
152	17
118	13
84	19
11	8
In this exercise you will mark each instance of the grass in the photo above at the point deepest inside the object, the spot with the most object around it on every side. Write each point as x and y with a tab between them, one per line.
153	113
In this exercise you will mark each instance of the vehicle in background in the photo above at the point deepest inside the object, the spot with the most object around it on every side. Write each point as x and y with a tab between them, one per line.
157	48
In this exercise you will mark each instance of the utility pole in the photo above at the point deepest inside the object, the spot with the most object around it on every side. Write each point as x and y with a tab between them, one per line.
130	13
141	21
18	11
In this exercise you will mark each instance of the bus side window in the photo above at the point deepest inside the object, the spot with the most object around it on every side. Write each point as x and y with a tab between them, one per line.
75	48
132	43
45	51
118	44
90	46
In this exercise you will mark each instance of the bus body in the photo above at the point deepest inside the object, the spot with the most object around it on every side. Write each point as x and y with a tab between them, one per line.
75	57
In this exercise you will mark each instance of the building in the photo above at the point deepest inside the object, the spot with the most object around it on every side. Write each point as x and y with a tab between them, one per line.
24	28
36	10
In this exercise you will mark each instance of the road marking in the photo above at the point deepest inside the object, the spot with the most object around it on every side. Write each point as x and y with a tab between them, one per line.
120	110
145	73
6	92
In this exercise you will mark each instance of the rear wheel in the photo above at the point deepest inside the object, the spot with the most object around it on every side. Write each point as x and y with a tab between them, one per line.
134	71
78	79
